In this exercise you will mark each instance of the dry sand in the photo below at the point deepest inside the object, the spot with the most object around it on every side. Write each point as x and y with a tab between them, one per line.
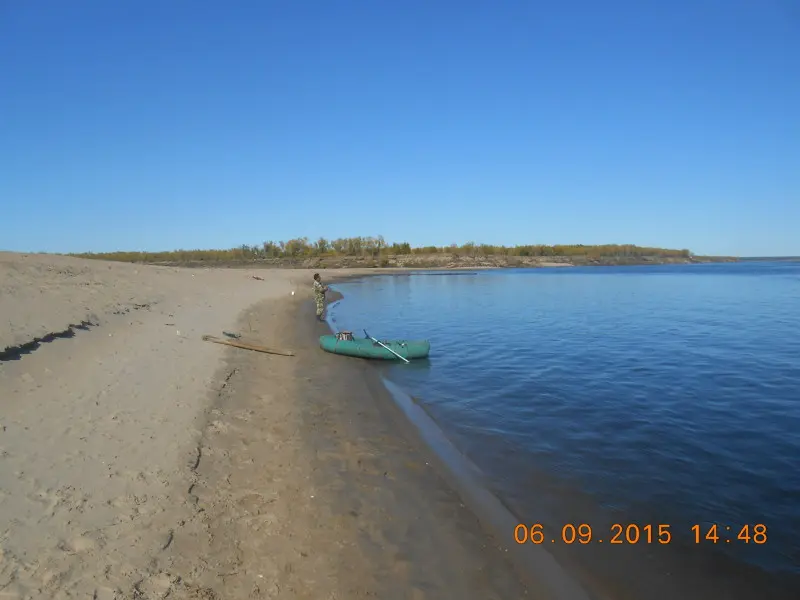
137	461
97	430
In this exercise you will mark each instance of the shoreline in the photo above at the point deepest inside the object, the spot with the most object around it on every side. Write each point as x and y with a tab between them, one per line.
355	510
436	262
137	461
621	572
534	564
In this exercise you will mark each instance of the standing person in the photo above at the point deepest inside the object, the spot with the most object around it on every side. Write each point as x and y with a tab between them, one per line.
319	295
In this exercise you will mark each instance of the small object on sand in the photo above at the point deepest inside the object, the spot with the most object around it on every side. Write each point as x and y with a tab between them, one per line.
292	292
216	340
235	336
257	277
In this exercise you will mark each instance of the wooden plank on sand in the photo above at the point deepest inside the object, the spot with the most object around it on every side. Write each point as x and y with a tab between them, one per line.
246	346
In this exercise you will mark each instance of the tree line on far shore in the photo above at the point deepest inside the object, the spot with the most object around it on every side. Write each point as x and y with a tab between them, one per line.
377	247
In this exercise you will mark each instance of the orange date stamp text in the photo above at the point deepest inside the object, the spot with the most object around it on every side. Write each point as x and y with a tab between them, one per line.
583	533
633	533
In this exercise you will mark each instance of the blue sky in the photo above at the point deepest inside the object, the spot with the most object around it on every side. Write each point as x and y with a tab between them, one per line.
147	125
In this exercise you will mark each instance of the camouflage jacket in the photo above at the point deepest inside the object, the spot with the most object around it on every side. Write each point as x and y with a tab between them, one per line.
320	289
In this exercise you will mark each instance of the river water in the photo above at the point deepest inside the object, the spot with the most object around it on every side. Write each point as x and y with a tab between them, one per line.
654	395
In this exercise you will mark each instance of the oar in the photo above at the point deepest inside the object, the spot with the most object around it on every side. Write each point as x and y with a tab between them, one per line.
385	346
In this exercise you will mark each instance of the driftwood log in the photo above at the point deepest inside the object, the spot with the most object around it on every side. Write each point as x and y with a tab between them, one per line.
246	346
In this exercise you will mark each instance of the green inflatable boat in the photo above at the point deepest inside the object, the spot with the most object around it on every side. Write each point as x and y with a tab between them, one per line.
345	344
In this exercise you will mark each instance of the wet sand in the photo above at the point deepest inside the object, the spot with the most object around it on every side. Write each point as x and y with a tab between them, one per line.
309	489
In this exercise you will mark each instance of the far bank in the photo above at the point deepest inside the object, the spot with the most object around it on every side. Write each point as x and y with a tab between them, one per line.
407	261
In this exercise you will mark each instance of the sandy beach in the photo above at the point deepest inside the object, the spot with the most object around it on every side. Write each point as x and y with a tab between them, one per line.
138	461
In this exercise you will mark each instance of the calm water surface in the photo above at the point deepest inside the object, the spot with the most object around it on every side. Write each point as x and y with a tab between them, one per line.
665	393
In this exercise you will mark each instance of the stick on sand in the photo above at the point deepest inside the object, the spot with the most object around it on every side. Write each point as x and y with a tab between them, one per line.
216	340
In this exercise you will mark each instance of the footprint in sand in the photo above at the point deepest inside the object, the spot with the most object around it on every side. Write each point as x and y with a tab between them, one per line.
79	545
157	586
218	427
243	415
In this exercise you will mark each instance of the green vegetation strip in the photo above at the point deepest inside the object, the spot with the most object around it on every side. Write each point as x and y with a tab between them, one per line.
377	248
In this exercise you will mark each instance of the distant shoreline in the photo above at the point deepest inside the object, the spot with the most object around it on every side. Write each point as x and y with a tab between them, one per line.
376	252
769	258
435	261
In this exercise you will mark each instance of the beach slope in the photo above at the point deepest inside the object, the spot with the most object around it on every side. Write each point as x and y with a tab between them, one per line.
138	461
